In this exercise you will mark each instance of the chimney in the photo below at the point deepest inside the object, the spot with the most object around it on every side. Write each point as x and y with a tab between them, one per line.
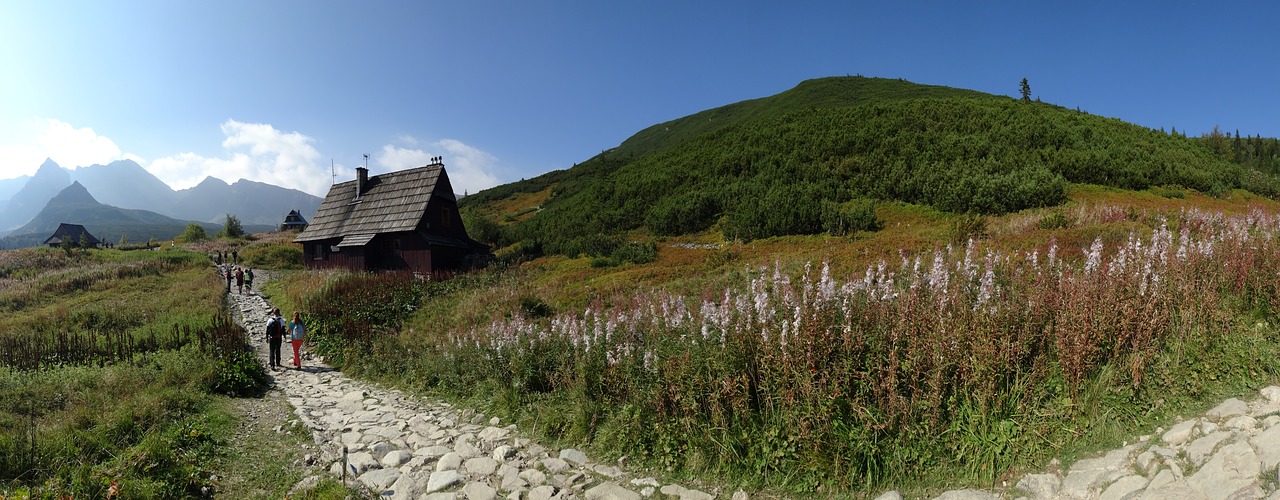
362	176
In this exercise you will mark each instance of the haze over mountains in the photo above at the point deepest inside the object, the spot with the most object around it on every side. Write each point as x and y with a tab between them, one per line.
117	194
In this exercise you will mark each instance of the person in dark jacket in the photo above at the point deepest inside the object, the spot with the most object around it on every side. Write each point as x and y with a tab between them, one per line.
275	337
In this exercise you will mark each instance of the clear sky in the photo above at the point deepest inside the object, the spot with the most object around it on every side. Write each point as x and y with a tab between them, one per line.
276	90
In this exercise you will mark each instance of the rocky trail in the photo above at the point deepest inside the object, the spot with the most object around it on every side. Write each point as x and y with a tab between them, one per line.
400	446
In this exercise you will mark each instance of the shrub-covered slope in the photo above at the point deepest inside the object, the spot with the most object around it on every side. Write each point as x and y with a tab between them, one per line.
802	161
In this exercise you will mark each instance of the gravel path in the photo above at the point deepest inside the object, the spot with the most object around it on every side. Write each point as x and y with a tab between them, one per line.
400	446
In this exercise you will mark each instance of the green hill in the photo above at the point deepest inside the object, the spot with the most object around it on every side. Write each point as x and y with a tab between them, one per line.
805	160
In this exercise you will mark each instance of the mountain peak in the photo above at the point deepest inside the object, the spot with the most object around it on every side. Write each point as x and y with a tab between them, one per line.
212	181
75	194
51	170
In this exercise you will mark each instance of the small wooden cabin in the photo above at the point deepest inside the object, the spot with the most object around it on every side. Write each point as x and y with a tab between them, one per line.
72	233
398	220
293	222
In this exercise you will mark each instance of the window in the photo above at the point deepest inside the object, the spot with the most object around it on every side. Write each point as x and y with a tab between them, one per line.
445	217
395	247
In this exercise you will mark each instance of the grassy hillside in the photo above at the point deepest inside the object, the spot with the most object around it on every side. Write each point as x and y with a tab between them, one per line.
801	162
825	366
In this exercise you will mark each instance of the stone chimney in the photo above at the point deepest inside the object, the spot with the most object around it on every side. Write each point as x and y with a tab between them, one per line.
362	176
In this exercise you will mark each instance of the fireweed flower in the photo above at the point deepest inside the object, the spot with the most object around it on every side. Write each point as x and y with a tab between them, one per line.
938	273
987	286
826	286
1093	256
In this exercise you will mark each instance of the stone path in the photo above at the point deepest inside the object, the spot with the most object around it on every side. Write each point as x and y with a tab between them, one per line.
399	446
1230	452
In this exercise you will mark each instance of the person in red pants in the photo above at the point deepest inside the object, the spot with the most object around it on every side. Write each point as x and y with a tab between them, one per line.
297	334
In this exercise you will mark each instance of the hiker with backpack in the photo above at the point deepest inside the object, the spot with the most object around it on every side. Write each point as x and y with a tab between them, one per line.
275	335
248	279
239	281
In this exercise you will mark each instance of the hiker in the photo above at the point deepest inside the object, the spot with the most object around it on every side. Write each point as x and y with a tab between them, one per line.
228	279
248	279
298	333
275	334
239	281
219	259
235	257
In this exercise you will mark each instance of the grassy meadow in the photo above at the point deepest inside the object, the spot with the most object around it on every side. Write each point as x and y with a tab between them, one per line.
941	349
121	375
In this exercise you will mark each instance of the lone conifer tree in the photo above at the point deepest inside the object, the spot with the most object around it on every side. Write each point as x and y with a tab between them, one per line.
1025	89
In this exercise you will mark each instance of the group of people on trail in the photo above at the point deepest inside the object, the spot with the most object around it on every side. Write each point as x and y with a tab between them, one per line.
243	277
277	327
232	257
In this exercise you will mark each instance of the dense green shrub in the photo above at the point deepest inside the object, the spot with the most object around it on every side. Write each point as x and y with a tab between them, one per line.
682	214
271	256
534	308
353	308
1055	220
193	234
839	219
764	213
483	229
968	226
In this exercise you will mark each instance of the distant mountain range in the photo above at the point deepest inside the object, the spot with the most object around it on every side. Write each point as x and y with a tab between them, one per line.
74	204
122	194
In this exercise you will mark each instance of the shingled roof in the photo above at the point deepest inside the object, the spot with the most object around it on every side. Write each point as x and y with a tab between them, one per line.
391	202
71	233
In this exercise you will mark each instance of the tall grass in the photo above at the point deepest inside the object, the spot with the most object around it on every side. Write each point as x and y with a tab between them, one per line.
967	357
108	362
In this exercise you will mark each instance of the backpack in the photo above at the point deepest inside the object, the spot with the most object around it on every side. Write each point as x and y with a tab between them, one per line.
275	329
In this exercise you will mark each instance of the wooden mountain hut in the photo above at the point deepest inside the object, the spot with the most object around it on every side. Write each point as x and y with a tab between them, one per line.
398	220
293	222
73	234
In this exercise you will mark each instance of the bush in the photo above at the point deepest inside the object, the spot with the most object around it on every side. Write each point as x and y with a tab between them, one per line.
968	226
636	253
1175	192
682	214
593	244
778	212
353	308
534	308
239	374
193	234
840	219
231	228
483	229
1055	220
272	256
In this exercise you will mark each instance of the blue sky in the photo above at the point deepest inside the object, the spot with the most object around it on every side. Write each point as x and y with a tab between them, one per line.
274	91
